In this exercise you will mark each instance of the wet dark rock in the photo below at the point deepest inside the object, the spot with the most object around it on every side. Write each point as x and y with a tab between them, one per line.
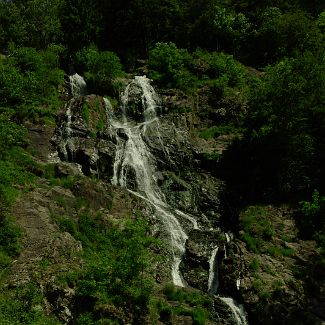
60	301
196	263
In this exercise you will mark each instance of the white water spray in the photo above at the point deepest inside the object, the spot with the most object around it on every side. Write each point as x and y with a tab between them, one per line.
78	85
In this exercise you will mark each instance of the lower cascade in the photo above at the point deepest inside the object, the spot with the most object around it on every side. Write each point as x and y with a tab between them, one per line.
147	156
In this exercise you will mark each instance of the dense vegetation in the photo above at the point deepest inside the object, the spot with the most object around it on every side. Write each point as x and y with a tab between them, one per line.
189	45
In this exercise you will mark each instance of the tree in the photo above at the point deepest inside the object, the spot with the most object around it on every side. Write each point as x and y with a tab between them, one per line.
100	69
285	124
33	23
81	22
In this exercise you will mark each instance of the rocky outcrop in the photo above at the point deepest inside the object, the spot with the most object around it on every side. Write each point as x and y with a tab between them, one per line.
274	283
186	187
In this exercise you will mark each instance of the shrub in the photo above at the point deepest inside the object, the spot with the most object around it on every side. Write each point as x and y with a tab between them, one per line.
168	66
254	265
29	79
117	262
21	306
200	316
219	66
215	131
100	69
256	227
312	218
11	134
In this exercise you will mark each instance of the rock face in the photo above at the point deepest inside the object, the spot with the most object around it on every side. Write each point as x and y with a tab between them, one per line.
49	251
94	135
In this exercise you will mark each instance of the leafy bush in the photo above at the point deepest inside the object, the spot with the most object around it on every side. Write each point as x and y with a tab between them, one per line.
101	68
312	218
314	207
169	66
22	306
254	265
29	79
200	316
11	134
256	227
283	126
215	65
280	251
196	303
117	262
284	34
215	131
174	67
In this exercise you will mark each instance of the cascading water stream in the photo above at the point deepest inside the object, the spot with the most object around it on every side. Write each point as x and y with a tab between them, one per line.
133	158
78	88
213	281
237	310
77	85
213	284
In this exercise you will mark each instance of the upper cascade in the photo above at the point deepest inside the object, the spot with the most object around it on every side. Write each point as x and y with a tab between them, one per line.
78	85
140	102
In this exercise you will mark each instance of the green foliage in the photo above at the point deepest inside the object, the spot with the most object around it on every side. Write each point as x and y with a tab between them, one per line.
29	80
314	207
215	131
13	172
215	65
191	297
14	165
174	67
11	134
321	22
280	251
256	227
189	303
34	23
9	240
312	217
117	262
101	68
85	113
81	22
284	124
286	34
254	265
169	66
23	305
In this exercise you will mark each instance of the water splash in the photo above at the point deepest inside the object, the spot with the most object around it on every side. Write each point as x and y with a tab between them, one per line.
78	85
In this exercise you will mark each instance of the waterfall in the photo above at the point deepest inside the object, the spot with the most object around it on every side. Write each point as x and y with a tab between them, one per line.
237	310
78	88
136	132
213	284
134	167
213	281
77	85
